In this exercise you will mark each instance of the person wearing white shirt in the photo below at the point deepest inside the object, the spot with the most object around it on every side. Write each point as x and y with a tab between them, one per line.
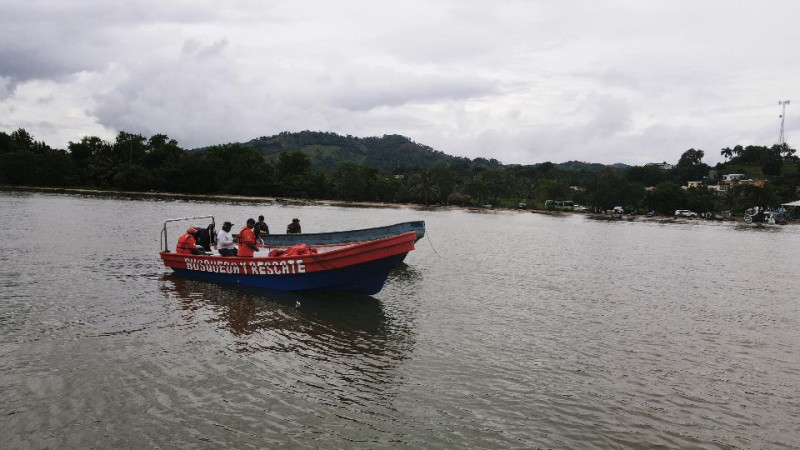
225	243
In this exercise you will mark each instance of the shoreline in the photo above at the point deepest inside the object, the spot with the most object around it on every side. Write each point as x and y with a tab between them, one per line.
354	204
173	195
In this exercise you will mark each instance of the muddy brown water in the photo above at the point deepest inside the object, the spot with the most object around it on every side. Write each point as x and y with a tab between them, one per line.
501	330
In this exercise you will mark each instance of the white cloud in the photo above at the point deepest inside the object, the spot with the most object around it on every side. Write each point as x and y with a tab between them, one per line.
520	81
52	112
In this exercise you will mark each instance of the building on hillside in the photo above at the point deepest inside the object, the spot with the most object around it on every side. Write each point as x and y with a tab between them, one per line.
731	180
719	189
694	184
730	177
748	182
663	166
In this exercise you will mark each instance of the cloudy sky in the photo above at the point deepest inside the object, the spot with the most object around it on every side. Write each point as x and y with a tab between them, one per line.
521	81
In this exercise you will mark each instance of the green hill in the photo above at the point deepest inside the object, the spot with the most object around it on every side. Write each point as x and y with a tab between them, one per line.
391	152
756	171
591	167
327	150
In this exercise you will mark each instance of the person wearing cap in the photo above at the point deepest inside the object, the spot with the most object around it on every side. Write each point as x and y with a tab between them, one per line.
187	244
225	243
261	229
247	240
294	227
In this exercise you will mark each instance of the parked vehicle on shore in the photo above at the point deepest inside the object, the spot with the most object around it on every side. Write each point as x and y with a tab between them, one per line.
685	213
722	215
559	205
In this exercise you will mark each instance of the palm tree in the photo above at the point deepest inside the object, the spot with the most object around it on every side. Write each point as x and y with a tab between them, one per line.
784	150
726	152
423	184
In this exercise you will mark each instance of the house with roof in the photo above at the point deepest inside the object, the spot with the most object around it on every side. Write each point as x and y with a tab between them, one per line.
731	177
663	166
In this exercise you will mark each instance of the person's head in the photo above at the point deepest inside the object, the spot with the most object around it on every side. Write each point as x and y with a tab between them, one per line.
295	220
227	226
260	218
191	230
251	223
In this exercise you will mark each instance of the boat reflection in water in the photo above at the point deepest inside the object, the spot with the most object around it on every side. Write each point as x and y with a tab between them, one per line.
320	325
404	276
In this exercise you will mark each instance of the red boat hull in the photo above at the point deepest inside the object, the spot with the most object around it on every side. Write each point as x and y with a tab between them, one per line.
362	267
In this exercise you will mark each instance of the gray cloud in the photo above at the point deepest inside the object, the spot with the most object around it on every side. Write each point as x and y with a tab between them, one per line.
520	81
193	47
366	91
41	39
24	64
5	88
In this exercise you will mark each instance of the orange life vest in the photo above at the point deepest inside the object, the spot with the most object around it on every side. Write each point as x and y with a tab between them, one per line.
245	236
186	244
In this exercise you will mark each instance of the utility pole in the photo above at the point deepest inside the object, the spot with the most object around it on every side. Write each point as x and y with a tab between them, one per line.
783	103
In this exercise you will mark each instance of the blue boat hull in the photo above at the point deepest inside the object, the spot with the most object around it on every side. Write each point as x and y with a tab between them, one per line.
365	278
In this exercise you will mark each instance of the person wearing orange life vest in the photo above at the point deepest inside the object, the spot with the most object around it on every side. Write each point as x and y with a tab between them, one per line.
187	244
247	240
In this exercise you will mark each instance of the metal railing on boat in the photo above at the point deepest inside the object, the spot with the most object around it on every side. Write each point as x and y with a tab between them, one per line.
163	243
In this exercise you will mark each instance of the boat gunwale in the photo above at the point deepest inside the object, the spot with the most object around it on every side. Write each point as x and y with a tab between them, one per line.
415	226
365	246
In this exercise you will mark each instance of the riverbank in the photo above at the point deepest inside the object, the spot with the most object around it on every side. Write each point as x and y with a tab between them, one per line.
344	203
222	197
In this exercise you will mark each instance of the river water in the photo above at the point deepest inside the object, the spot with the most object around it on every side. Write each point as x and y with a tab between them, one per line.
501	330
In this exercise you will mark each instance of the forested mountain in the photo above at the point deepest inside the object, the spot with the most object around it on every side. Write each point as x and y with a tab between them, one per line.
590	167
394	169
391	152
327	151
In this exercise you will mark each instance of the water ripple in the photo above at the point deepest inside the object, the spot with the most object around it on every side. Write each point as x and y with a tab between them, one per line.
518	331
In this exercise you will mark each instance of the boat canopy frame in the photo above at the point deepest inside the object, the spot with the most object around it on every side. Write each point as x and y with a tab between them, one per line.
164	244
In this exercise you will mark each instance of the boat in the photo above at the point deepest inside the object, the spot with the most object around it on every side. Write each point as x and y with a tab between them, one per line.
761	215
358	267
339	237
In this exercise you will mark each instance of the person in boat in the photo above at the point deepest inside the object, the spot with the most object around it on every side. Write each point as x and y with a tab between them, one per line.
225	243
187	245
202	237
261	228
247	240
294	227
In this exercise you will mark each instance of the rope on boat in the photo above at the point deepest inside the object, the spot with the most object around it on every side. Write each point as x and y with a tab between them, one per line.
428	235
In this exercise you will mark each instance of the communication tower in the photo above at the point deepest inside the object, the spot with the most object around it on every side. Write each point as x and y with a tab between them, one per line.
783	103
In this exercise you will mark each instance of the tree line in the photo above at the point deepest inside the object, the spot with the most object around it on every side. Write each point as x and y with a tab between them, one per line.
133	162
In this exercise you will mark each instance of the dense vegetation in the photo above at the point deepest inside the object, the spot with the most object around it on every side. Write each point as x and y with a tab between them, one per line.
390	169
326	151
